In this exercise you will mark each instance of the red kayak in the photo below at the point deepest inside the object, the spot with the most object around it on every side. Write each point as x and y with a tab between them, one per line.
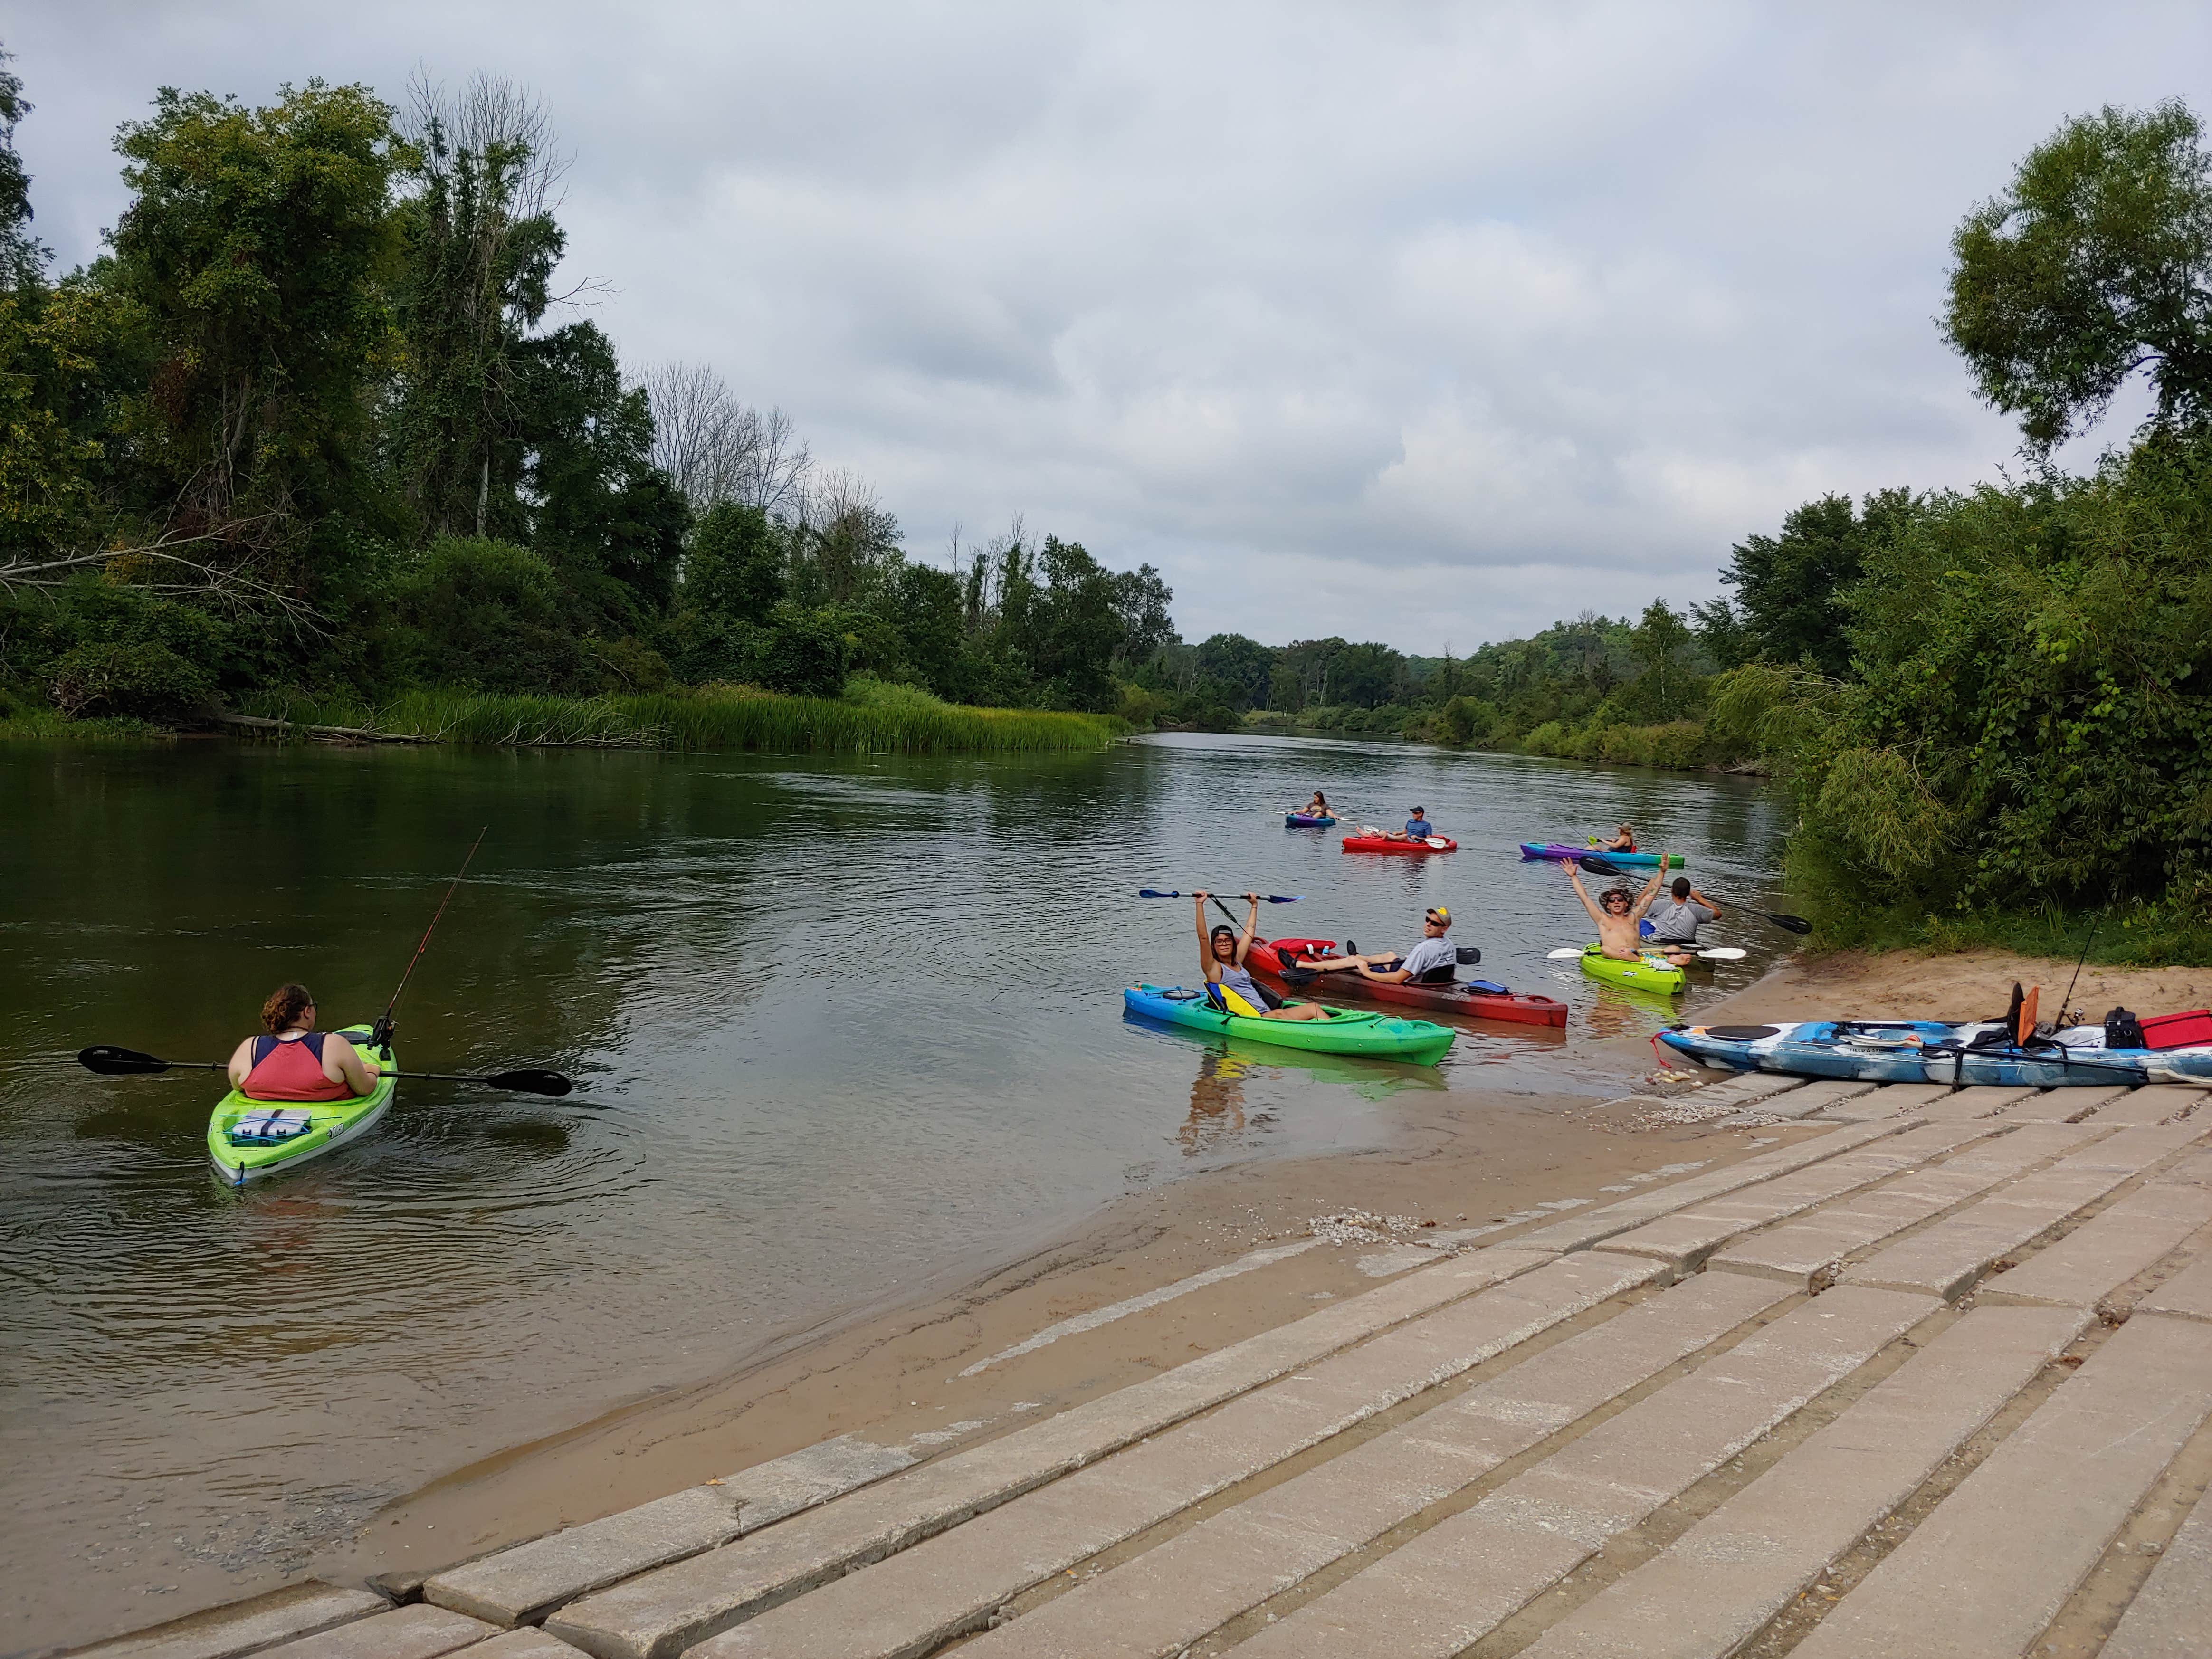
1267	958
1384	844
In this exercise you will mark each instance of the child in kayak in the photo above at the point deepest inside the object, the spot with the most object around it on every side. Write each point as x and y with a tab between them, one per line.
1429	963
1221	955
1619	912
1674	923
295	1061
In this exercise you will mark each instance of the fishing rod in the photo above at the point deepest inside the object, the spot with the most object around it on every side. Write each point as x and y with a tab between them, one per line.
380	1036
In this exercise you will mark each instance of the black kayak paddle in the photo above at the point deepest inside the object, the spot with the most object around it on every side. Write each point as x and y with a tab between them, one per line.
1604	867
1269	898
111	1061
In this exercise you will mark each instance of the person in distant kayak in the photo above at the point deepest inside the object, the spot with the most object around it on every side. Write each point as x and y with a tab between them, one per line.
1429	963
1617	912
1675	920
1317	807
1623	841
294	1061
1417	827
1221	950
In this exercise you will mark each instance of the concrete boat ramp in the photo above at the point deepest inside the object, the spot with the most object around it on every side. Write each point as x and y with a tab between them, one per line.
1935	1380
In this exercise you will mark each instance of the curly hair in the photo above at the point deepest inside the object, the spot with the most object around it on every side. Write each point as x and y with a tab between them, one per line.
1621	893
284	1004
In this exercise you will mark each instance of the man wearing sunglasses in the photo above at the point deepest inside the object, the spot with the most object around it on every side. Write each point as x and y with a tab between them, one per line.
1429	963
1617	911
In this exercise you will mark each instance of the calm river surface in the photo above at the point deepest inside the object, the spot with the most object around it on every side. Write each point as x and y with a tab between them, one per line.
839	1026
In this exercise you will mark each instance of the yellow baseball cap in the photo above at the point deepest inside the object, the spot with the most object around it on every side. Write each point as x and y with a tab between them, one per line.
1441	911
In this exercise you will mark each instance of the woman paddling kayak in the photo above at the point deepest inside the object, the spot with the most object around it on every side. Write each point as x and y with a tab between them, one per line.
1221	951
295	1061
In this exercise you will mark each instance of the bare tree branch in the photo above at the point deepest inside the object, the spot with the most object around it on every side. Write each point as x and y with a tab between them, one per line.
158	566
717	449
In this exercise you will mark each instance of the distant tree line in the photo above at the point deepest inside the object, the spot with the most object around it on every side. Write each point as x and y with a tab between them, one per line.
321	415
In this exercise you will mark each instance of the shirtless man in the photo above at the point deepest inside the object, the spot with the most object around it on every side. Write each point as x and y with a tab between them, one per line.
1616	917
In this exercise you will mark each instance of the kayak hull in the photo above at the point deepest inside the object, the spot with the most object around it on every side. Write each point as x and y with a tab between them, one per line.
1561	851
1920	1051
1268	959
1306	821
1383	844
1368	1035
337	1123
1644	973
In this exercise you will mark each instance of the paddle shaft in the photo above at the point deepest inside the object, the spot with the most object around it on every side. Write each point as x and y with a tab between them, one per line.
129	1063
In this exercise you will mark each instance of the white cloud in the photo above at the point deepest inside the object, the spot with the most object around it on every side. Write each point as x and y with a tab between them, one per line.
1404	321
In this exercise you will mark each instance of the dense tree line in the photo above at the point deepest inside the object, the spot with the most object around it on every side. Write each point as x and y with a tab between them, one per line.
321	417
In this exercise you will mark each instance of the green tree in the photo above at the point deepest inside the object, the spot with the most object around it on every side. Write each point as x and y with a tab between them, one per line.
22	259
258	243
1243	668
1667	686
1790	589
2097	262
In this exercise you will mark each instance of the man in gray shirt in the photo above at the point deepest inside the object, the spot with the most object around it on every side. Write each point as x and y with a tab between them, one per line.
1675	920
1429	963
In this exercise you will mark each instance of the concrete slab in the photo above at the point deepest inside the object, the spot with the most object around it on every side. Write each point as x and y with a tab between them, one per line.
1749	1086
1980	1100
1446	1589
1983	1575
1173	1595
1684	1240
1816	1245
2068	1105
1585	1228
1713	1589
517	1585
2187	1294
1949	1257
2171	1617
245	1626
1815	1096
2160	1103
2087	1266
522	1644
1888	1100
813	1474
948	1584
416	1632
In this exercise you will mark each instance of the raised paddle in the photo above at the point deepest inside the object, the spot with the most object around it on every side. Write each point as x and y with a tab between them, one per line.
1718	953
111	1061
1600	866
1269	898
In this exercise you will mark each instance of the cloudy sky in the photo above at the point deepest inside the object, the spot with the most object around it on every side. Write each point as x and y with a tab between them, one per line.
1419	322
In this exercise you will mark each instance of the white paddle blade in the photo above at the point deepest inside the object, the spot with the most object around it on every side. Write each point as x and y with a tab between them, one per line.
1724	953
1438	842
1566	954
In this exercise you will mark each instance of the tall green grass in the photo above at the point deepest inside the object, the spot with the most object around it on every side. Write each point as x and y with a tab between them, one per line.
881	720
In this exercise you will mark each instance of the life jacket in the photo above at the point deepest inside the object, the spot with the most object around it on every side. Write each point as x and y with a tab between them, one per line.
292	1071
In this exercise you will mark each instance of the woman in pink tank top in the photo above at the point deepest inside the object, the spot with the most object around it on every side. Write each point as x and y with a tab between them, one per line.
295	1061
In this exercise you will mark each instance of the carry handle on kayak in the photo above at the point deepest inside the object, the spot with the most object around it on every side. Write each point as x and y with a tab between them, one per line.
1792	924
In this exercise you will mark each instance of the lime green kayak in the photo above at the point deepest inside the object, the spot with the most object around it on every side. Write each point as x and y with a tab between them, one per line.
1644	973
1345	1031
248	1139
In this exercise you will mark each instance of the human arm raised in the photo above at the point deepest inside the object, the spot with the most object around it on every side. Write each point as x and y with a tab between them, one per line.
1583	892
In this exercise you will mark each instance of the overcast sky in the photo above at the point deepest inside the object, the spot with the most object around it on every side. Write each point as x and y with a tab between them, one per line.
1424	323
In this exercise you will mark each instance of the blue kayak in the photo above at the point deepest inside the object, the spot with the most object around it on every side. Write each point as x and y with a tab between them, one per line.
1306	821
1926	1051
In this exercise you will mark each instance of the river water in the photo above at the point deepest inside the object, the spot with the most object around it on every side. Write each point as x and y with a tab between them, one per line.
838	1025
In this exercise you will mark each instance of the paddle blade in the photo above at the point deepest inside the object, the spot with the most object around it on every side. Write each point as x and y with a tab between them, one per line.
1794	924
1151	892
1724	953
111	1061
1438	842
1598	867
530	1082
1273	898
1566	954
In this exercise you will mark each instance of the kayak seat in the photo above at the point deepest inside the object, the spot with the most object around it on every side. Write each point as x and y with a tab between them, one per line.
1228	1001
270	1128
1436	976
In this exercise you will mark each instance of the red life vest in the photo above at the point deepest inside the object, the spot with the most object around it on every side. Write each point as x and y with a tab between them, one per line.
291	1070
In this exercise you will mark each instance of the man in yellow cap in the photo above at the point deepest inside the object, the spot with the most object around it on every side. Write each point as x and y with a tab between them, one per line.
1429	963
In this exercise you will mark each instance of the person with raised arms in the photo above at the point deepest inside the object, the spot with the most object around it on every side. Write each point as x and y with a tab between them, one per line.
1619	912
1221	951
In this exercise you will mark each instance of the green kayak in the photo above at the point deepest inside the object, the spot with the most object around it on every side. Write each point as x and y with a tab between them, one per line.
1644	973
1345	1032
248	1139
